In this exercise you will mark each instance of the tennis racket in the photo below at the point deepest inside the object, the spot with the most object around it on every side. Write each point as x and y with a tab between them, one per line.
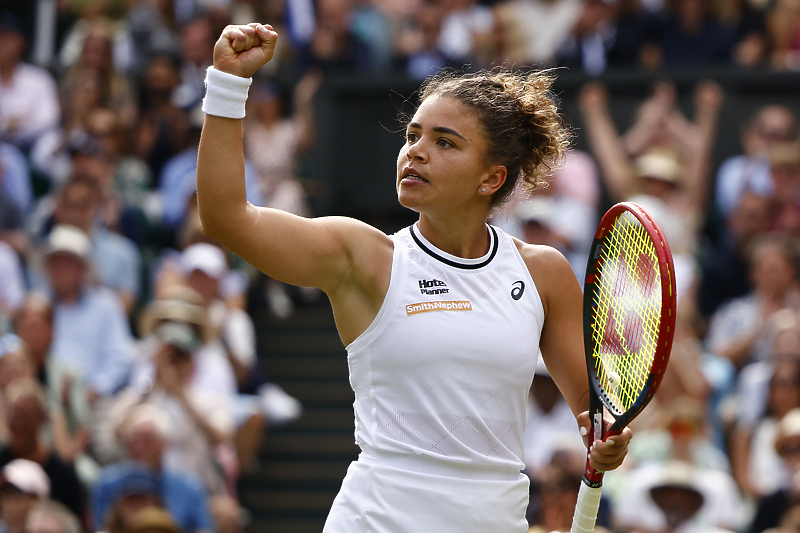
629	305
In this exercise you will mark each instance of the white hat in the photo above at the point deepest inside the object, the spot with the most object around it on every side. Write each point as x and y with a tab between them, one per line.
28	477
536	209
69	239
206	258
788	427
178	334
658	164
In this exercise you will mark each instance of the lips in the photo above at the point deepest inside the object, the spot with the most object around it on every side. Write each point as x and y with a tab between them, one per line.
412	174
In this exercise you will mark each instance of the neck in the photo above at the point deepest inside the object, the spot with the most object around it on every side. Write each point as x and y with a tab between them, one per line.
26	447
457	238
69	297
7	72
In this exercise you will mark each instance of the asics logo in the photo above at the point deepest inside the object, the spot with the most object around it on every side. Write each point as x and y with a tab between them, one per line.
517	288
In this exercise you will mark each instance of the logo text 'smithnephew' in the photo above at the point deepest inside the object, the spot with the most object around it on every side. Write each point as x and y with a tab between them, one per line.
427	307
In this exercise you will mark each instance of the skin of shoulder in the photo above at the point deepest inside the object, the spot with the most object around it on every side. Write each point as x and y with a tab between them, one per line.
561	342
359	294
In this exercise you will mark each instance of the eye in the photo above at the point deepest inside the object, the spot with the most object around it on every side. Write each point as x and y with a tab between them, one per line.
411	138
444	143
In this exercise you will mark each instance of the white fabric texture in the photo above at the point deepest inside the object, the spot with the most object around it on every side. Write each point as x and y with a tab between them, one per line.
379	499
441	379
226	94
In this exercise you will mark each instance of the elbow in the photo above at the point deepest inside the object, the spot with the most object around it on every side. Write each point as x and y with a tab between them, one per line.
216	224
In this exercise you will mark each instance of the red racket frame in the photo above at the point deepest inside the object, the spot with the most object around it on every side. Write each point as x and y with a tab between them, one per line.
666	330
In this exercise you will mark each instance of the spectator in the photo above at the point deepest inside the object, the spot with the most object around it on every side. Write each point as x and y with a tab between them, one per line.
550	426
713	501
783	26
229	516
416	47
334	46
691	35
178	182
538	27
162	127
91	335
682	434
16	198
96	41
464	22
742	329
132	178
775	507
563	215
749	172
753	382
116	258
29	93
758	469
153	519
24	484
15	364
50	516
70	413
784	166
145	433
554	499
27	412
274	142
200	420
724	270
196	50
128	497
15	183
591	39
12	289
662	163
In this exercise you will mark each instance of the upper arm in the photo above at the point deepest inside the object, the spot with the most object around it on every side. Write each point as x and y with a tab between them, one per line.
310	252
561	342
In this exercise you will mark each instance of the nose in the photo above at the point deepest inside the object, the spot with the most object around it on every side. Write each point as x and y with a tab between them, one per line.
415	152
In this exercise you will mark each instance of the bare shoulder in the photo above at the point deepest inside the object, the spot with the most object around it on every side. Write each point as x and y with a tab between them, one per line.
365	243
550	271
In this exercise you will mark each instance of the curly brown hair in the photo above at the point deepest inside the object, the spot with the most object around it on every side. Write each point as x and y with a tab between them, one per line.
519	117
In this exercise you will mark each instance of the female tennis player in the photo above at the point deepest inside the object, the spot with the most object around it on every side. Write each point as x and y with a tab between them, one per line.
443	321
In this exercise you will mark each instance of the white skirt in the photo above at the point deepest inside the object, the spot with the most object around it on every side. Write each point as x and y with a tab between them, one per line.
382	499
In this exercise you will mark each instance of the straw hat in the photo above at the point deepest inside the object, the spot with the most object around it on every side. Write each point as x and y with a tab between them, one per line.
179	304
658	164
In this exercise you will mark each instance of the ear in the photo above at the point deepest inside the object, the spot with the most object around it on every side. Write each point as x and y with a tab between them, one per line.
494	180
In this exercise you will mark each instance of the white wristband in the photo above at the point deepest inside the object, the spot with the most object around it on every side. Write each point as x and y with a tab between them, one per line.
226	94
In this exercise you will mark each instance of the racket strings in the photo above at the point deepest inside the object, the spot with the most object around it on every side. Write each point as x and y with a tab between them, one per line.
627	314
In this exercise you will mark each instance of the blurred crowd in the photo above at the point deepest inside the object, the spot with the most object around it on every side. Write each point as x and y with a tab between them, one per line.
131	398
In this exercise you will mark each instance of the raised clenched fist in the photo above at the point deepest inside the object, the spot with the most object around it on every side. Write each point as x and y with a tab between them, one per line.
242	50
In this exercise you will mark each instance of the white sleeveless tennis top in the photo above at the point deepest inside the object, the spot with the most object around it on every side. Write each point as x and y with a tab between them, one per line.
443	372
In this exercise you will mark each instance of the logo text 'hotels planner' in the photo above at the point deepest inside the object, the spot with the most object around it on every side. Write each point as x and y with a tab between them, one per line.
432	286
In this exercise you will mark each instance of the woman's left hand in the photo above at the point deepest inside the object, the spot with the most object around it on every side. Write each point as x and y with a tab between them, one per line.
609	454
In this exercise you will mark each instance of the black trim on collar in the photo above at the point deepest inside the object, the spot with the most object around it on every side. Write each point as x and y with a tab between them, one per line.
446	261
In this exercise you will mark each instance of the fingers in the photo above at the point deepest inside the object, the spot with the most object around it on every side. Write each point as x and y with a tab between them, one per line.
242	38
609	454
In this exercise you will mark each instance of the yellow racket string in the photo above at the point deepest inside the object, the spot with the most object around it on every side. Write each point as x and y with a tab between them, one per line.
627	313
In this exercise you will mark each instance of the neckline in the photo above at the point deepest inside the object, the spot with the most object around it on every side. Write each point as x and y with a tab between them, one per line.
453	260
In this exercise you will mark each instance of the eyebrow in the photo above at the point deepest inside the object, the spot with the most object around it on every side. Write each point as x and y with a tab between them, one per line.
438	129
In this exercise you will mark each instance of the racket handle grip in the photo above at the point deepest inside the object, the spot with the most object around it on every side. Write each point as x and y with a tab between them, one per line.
586	509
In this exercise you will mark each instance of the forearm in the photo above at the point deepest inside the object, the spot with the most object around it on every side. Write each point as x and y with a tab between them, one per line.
214	434
221	191
608	150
